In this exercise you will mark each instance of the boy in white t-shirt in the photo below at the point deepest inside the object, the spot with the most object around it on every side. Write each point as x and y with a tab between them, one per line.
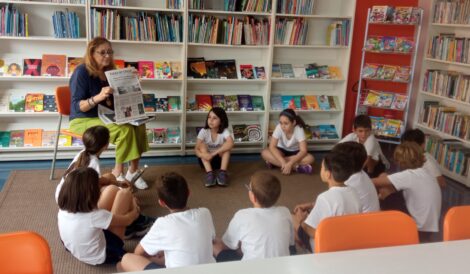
431	165
263	231
182	238
360	181
338	200
376	162
420	189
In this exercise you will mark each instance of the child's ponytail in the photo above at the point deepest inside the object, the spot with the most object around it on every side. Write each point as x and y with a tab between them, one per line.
292	116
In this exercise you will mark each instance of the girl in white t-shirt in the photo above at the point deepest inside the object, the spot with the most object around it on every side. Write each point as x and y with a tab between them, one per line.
288	146
213	147
92	235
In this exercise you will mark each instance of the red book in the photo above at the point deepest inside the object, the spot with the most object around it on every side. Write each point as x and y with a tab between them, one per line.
303	103
72	63
53	65
32	67
119	63
204	102
146	69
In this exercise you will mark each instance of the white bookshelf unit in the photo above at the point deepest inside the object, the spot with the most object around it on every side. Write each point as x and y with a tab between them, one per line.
316	50
439	95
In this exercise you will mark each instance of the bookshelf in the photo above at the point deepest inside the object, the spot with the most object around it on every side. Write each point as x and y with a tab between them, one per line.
430	91
41	40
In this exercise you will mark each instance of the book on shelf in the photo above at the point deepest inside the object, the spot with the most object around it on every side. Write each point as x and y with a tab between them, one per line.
254	133
218	101
17	102
191	134
276	102
323	102
247	72
119	63
65	140
402	15
32	137
197	68
288	102
149	102
16	138
53	65
14	23
312	102
48	138
129	64
385	100
161	104
396	15
291	31
231	102
239	133
449	47
381	14
4	138
451	12
176	70
73	62
295	7
260	73
212	70
34	102
145	69
160	136
163	70
399	101
386	72
338	33
402	74
173	135
257	102
227	69
204	102
191	104
66	24
32	67
299	70
245	103
49	103
322	132
286	71
276	71
451	84
174	103
12	66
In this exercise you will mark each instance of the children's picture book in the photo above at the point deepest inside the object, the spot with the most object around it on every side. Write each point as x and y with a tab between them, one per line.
288	102
372	98
146	70
399	101
245	103
218	101
312	102
323	102
53	65
334	102
12	66
404	44
16	138
260	73
373	43
402	74
4	138
303	103
254	133
196	67
328	132
149	102
65	140
299	70
378	14
239	133
32	67
298	102
173	135
34	102
191	135
204	102
212	69
385	100
176	70
335	72
370	70
161	104
48	138
276	102
388	44
227	69
415	15
166	69
247	72
73	62
191	104
119	63
315	132
311	70
231	103
287	71
131	65
402	15
17	102
378	124
49	103
386	72
276	71
323	72
392	128
32	137
174	103
160	136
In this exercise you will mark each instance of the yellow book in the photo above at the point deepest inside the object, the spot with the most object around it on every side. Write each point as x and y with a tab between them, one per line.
312	102
33	137
65	140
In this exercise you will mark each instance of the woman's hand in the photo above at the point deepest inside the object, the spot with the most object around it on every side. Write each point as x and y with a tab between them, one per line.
104	93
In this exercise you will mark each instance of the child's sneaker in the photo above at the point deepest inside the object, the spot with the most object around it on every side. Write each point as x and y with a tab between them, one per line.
139	183
307	169
222	178
120	178
269	165
210	179
139	227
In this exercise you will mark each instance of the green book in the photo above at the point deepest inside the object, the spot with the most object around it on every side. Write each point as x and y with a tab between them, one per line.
174	103
4	138
257	102
17	102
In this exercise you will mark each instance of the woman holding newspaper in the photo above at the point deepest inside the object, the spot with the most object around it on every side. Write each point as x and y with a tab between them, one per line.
89	89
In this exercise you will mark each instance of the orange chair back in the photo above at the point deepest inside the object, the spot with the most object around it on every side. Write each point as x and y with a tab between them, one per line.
457	223
367	230
63	101
24	253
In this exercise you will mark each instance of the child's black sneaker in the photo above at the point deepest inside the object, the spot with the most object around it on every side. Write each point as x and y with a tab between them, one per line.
210	179
222	178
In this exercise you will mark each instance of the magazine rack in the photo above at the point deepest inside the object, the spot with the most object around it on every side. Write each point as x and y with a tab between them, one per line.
397	115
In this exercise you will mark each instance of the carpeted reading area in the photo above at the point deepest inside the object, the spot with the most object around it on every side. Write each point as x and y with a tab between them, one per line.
27	203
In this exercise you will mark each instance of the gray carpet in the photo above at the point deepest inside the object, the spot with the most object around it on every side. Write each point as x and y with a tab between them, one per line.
27	203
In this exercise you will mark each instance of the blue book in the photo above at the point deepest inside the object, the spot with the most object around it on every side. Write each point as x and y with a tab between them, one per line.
328	132
244	102
276	102
323	102
288	102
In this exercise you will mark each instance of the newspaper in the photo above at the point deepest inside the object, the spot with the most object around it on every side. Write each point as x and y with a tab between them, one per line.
128	99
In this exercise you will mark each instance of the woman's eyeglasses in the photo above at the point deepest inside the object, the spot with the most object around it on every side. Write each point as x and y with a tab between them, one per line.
105	52
248	187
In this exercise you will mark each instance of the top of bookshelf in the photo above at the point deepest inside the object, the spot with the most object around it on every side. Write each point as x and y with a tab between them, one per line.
136	8
314	16
451	25
42	3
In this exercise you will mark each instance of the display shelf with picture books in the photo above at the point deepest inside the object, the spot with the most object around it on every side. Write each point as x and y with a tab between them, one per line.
388	109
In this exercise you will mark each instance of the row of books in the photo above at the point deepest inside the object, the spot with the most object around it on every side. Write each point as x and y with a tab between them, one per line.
383	99
247	5
338	33
119	3
382	126
451	154
199	68
36	138
154	70
291	31
13	22
386	72
304	7
210	29
205	102
305	102
160	27
451	84
66	24
76	1
302	71
196	4
174	4
389	44
163	104
396	15
452	12
31	102
448	47
445	119
170	135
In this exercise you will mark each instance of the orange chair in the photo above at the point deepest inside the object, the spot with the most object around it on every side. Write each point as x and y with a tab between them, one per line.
367	230
457	223
63	101
24	253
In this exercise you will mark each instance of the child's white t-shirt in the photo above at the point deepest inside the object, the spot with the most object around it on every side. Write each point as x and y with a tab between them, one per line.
185	237
94	164
371	145
431	165
336	201
82	234
262	232
291	144
422	196
205	135
366	191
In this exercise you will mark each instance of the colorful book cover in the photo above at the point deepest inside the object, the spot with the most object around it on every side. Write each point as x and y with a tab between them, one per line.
176	70
191	104
32	137
160	136
288	102
323	102
149	102
311	70
12	67
404	44
218	101
260	73
247	72
49	103
257	102
145	69
204	102
392	128
53	65
378	124
386	72
119	63
323	72
34	102
372	98
191	135
335	72
239	133
174	103
254	133
131	65
276	102
16	138
48	138
73	62
159	70
245	103
231	101
315	132
197	68
370	70
212	69
149	133
402	15
312	102
328	132
77	142
227	69
415	15
332	100
173	135
399	101
161	104
166	70
385	100
276	71
298	102
32	67
65	140
388	44
303	103
402	74
17	102
373	43
378	14
4	138
287	71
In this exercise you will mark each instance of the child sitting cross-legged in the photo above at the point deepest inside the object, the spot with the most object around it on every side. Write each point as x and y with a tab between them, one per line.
338	200
263	231
182	238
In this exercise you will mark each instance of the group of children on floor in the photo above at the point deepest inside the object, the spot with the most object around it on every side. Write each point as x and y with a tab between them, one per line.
96	212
